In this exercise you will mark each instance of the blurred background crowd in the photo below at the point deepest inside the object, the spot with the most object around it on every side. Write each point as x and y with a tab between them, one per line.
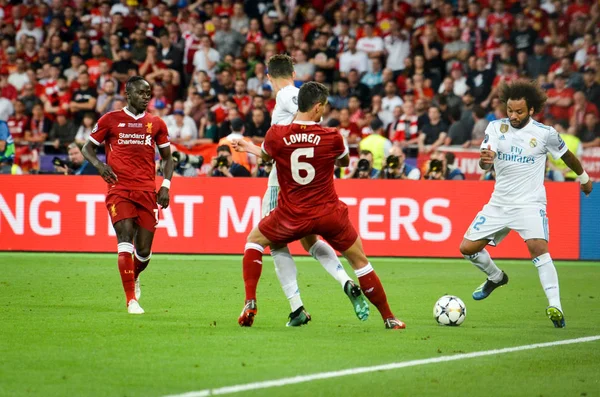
407	78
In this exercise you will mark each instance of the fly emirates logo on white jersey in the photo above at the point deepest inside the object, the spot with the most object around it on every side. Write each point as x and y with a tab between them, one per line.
136	138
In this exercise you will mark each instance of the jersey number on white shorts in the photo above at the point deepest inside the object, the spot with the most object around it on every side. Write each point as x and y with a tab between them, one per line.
298	165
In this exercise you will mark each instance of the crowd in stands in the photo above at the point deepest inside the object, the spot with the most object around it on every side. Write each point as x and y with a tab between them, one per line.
406	77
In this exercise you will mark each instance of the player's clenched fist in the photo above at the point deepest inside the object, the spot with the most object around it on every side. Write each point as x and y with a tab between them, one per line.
586	188
162	198
487	156
239	145
107	174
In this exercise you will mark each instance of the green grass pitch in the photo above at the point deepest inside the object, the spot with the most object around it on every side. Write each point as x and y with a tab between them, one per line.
64	330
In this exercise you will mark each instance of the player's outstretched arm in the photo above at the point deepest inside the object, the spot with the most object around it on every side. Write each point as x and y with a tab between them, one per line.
89	152
242	145
573	163
162	198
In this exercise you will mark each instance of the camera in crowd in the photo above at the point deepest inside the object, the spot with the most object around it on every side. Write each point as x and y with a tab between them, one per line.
363	165
392	162
58	162
187	160
187	164
436	170
222	161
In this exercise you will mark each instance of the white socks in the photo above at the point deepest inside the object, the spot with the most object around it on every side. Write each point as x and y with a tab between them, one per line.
549	279
326	256
285	267
484	262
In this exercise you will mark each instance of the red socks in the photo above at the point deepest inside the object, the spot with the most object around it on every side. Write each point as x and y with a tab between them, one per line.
373	290
140	264
252	268
127	270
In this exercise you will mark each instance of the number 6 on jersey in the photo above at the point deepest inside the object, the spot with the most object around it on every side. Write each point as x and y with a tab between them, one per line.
298	165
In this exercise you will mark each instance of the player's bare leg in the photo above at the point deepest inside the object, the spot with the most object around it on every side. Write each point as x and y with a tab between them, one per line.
538	249
370	284
475	252
125	231
252	269
141	255
327	257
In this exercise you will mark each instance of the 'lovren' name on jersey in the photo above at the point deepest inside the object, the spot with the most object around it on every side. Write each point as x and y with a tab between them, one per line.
130	150
305	154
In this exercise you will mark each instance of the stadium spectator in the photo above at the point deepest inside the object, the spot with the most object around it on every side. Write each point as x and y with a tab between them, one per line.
29	98
352	58
591	87
441	167
106	101
182	128
374	76
589	132
228	41
19	77
580	108
560	98
342	96
434	132
377	145
86	128
18	123
459	132
62	133
39	126
257	127
76	165
84	99
397	47
223	165
349	130
456	51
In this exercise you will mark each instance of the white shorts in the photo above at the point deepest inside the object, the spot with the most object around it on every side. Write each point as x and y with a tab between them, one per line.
494	223
270	198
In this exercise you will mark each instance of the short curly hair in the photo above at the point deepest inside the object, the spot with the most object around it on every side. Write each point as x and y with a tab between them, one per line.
530	91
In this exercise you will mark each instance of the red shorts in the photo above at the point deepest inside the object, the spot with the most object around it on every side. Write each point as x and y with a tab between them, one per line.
137	204
334	226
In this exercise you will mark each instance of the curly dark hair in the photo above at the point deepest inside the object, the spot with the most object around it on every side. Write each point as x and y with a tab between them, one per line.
535	98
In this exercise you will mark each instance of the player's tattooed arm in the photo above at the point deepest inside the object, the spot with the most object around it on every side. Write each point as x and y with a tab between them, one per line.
574	164
89	152
163	198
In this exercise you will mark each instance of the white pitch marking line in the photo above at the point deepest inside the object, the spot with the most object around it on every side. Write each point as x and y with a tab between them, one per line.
385	367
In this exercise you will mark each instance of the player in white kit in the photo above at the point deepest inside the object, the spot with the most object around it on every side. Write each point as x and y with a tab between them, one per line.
281	75
517	147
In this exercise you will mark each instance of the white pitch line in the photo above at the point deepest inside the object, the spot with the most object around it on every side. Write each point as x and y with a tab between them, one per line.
385	367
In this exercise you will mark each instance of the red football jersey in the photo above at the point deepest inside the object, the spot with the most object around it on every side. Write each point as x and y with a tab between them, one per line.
305	154
130	148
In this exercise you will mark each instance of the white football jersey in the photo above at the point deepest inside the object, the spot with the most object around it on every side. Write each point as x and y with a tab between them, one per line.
286	106
520	161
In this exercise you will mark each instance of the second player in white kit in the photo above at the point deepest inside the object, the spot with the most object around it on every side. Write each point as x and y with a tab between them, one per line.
517	148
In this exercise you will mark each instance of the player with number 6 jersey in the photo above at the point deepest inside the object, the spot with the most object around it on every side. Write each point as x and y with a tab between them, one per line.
130	136
281	77
306	154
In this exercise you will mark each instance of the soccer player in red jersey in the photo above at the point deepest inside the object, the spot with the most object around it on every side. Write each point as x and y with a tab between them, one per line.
305	154
130	135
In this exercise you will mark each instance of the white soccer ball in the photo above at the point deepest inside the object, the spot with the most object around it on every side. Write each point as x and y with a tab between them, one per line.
449	310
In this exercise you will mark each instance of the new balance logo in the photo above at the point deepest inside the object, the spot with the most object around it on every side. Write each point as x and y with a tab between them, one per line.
121	125
257	261
369	290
